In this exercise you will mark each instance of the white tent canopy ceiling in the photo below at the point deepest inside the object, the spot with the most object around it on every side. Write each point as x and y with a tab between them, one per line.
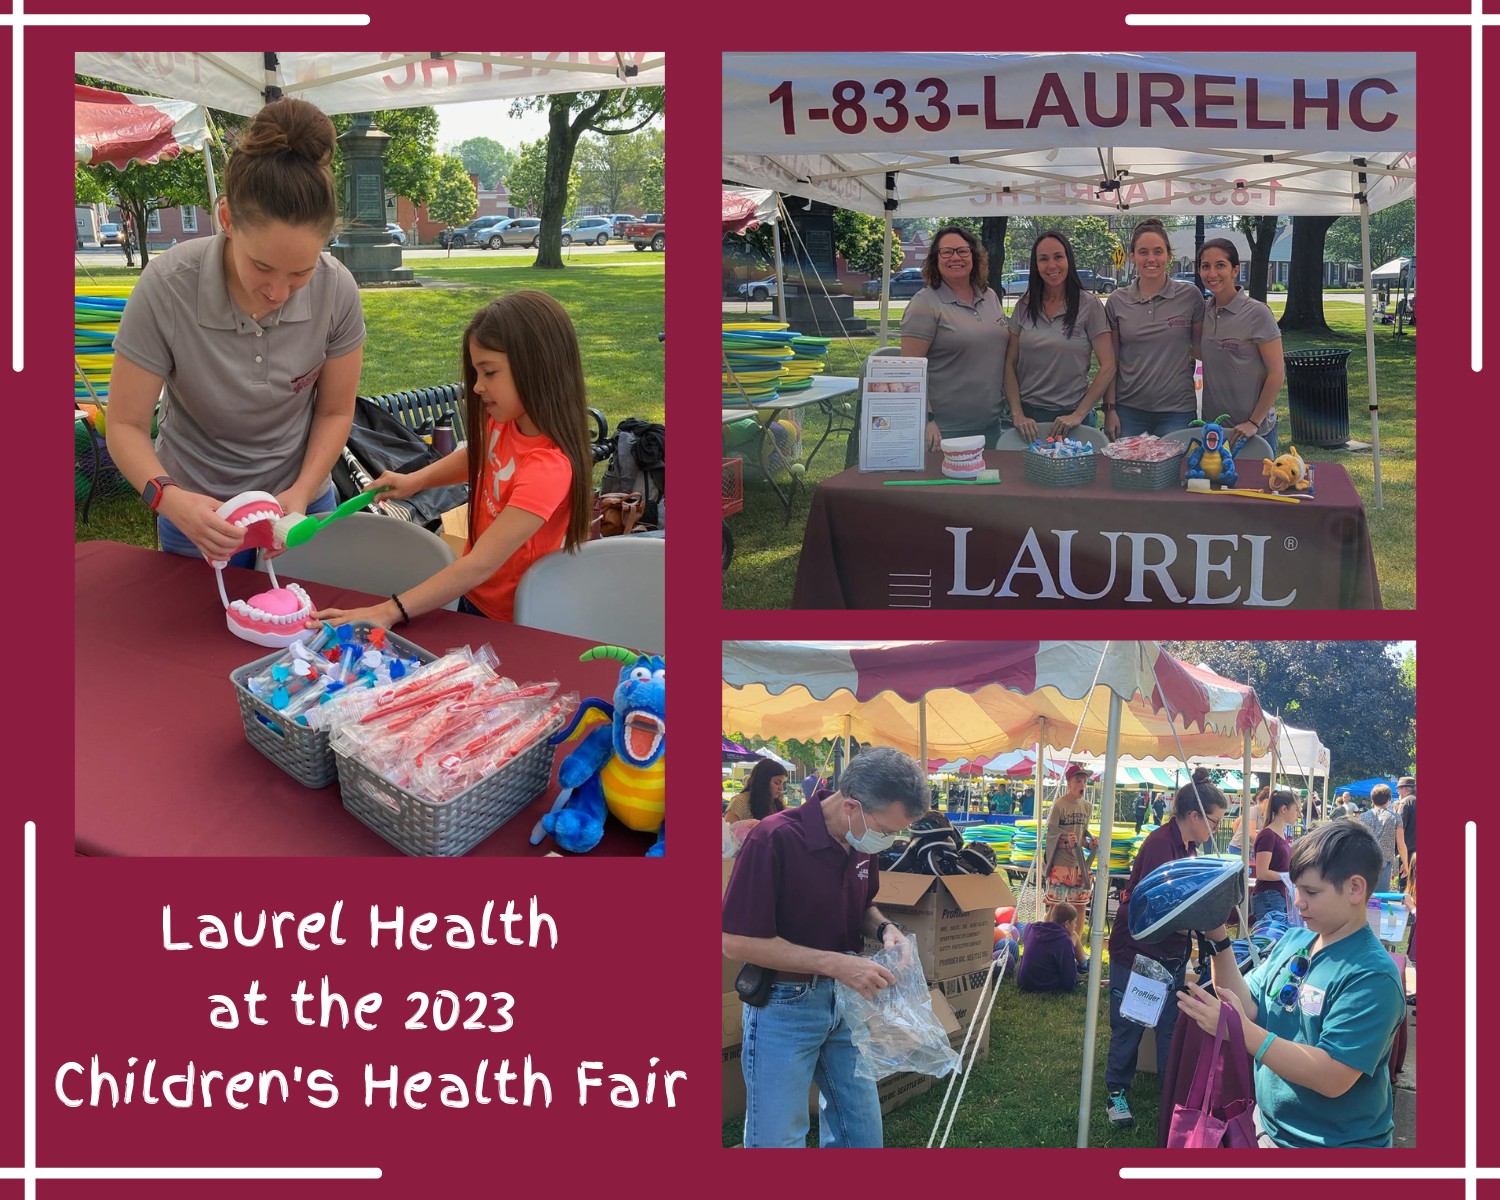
347	82
1068	134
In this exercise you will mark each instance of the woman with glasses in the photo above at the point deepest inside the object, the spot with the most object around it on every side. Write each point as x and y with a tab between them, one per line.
1196	813
1273	855
1055	330
958	325
1320	1014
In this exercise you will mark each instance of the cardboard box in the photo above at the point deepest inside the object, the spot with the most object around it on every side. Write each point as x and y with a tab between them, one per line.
733	1012
962	994
951	918
896	1090
734	1083
456	530
1145	1060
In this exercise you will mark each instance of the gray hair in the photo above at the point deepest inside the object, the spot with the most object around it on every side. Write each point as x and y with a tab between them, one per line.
883	776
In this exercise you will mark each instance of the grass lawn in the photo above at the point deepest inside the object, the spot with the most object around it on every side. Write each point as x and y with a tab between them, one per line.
766	550
617	303
1026	1092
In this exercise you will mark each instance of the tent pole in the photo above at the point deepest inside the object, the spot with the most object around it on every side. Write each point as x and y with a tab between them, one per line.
1245	800
885	259
1101	903
208	171
922	730
1364	253
776	244
848	723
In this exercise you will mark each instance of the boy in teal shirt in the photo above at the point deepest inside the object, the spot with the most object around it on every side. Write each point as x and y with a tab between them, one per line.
1320	1013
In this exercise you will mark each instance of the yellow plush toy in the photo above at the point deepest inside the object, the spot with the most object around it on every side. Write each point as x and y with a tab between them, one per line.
1287	472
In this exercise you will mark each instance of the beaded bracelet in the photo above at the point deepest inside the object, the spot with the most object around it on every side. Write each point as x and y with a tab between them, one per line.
405	617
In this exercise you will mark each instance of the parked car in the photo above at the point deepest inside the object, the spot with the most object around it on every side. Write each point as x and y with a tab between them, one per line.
111	234
904	284
398	235
1016	282
515	231
618	221
1188	277
762	289
1100	284
471	234
587	229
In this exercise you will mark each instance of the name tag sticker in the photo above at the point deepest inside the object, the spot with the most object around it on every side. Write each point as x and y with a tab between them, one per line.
1312	1000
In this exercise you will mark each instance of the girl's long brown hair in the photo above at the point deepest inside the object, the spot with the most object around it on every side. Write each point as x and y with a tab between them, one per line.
536	334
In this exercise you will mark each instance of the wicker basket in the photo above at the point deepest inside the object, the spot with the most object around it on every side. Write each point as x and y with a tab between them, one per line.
419	827
300	751
1060	472
1145	476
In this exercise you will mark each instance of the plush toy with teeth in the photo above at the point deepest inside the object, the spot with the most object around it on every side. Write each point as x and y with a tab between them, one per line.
620	766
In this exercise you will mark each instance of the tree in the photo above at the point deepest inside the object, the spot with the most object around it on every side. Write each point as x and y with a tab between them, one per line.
654	185
142	188
410	155
528	178
485	158
1304	287
859	237
611	168
1393	233
1356	696
453	200
1260	232
1094	244
569	116
992	238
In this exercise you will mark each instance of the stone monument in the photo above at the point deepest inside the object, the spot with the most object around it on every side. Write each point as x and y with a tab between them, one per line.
365	245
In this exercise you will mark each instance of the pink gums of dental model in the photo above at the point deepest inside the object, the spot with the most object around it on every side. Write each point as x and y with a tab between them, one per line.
277	617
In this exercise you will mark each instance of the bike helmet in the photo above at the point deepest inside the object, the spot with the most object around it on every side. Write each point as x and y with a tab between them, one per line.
1186	894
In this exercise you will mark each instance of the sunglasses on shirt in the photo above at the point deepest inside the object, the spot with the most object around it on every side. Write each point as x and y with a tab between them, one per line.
1296	976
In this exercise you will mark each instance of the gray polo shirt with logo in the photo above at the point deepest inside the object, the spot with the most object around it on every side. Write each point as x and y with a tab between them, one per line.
1053	364
1154	366
1233	371
239	393
965	354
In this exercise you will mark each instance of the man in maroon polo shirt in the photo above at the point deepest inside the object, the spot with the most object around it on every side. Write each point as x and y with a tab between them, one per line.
801	901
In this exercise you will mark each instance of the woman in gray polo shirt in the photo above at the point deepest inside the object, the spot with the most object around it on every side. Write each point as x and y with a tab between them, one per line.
958	325
1155	322
1243	368
1055	328
251	339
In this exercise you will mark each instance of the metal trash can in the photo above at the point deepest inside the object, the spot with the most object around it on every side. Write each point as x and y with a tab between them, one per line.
1317	390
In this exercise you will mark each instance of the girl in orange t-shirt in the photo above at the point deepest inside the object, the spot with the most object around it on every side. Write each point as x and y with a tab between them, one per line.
528	461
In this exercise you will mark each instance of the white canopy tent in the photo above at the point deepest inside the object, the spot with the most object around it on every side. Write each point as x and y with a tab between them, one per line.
935	699
345	82
1072	134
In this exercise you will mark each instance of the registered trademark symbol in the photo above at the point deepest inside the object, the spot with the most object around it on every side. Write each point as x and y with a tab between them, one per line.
1291	543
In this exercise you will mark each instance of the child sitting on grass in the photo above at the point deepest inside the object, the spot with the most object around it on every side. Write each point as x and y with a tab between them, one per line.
1051	952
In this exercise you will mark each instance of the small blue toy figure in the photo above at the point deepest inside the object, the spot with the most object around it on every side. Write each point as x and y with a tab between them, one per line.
1211	459
620	765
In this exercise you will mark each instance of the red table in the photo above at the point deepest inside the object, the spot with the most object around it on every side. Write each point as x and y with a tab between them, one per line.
162	766
1023	545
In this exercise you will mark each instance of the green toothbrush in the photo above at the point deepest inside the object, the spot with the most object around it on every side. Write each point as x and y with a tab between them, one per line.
991	476
304	528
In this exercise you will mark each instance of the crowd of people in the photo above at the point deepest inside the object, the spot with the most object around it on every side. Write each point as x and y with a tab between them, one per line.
253	341
1318	1016
1031	370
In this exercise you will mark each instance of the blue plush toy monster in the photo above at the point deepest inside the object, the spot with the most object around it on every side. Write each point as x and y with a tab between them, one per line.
619	766
1211	458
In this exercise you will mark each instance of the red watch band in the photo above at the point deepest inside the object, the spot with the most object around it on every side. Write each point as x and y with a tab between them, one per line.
154	489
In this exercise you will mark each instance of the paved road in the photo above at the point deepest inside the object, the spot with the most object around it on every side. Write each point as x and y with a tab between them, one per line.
899	306
113	256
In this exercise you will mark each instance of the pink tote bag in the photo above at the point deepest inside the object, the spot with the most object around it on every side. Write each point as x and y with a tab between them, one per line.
1219	1112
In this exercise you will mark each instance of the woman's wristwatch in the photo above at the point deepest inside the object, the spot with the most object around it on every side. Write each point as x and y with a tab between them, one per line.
880	931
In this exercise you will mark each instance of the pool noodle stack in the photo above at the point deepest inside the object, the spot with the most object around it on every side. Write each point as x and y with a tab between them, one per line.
96	318
754	358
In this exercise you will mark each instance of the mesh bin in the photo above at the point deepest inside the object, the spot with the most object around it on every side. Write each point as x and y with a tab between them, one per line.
733	485
1317	391
299	750
1145	476
1060	472
420	827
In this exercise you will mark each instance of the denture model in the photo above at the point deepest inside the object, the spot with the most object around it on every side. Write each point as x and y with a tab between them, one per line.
277	617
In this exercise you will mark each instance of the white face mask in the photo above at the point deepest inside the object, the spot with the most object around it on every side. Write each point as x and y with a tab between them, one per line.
869	842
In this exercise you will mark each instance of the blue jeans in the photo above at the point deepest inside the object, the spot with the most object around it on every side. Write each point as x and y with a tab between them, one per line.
174	541
990	433
1125	1036
1262	903
798	1039
1136	421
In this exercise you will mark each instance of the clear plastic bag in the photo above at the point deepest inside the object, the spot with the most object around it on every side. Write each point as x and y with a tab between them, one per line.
897	1031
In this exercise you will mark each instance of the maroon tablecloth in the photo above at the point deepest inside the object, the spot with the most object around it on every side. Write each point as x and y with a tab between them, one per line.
1020	544
162	764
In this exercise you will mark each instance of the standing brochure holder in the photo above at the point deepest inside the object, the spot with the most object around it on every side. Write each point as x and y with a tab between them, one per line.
893	414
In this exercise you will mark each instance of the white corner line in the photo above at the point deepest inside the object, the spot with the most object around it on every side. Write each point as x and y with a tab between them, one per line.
30	1172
